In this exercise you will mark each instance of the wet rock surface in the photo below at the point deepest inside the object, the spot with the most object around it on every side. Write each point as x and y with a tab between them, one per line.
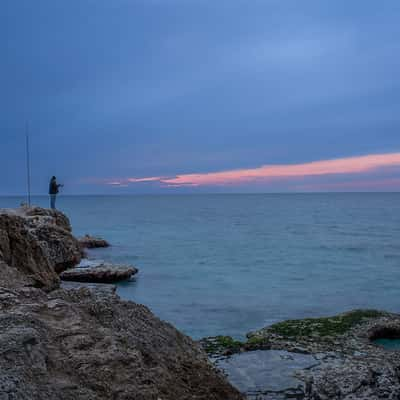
81	343
266	373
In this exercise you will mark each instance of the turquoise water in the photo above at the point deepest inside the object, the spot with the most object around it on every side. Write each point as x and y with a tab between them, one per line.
228	264
390	344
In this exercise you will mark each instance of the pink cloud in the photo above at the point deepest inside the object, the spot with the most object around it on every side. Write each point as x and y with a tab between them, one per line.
265	173
149	179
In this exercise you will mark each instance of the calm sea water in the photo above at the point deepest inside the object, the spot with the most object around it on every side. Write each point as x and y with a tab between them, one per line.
228	264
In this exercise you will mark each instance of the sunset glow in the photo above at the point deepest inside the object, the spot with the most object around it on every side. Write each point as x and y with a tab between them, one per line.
267	173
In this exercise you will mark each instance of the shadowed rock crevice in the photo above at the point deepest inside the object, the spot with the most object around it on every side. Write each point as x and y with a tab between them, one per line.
385	332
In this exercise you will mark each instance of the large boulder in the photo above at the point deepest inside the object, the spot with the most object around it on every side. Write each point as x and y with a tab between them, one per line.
52	229
21	251
39	243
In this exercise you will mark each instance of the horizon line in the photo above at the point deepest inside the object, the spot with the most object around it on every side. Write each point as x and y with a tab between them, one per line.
209	193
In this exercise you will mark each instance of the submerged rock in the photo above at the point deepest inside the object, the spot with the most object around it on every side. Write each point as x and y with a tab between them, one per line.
103	273
92	242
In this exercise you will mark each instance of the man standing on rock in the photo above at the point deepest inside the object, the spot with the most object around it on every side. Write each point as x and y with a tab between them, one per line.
53	191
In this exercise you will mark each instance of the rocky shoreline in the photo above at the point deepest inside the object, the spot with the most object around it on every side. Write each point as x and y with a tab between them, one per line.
82	343
348	364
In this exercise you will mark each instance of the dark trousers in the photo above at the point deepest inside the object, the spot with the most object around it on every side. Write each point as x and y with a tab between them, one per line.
53	201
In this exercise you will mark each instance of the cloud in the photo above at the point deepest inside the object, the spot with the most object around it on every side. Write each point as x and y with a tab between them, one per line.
141	180
272	173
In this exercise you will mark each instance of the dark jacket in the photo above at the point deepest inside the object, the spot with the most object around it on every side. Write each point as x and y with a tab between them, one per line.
53	187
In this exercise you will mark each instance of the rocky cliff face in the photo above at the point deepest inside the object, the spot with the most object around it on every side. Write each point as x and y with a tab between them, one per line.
52	230
81	343
38	243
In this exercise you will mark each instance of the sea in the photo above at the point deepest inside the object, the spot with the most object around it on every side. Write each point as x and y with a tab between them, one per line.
230	264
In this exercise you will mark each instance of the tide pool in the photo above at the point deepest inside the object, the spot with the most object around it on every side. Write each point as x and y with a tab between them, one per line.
390	344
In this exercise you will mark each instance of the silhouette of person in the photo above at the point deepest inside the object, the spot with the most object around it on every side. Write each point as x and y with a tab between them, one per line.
53	191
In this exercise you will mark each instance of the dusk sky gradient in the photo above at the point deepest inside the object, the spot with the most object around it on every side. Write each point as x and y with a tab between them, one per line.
187	96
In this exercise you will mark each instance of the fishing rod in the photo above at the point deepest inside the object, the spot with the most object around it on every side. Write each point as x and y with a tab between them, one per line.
28	164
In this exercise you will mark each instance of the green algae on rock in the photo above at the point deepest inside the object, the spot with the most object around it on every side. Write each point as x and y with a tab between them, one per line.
221	345
309	329
317	327
351	364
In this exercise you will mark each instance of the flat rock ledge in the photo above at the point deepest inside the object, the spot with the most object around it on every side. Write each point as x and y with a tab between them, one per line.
92	242
103	273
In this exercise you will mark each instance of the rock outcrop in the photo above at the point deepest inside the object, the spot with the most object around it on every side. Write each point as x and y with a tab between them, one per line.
92	242
102	273
51	216
349	365
84	344
21	250
53	231
39	243
81	344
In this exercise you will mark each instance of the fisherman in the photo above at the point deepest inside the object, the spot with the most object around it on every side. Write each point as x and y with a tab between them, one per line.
53	191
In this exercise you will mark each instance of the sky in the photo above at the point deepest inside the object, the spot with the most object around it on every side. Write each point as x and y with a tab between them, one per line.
188	96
